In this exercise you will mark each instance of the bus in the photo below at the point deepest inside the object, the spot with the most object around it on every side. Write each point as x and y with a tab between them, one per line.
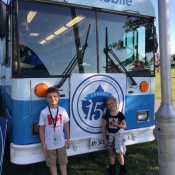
88	50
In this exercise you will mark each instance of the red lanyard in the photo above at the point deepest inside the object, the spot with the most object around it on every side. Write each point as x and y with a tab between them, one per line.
54	121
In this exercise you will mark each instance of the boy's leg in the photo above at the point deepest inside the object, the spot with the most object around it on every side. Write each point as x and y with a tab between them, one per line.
63	169
53	170
62	160
51	161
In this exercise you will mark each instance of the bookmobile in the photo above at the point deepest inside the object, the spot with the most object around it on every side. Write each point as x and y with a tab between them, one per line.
88	50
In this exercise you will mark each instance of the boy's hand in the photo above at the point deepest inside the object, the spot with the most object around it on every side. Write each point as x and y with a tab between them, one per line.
68	144
44	147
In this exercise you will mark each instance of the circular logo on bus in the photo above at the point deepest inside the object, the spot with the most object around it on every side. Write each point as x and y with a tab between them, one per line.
88	101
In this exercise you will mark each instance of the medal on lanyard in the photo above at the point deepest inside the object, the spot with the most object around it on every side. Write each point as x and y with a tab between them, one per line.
55	139
55	136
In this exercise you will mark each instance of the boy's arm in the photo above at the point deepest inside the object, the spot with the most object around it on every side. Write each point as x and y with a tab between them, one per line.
66	127
41	134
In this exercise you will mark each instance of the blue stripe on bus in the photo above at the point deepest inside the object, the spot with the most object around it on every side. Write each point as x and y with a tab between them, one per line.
22	119
139	103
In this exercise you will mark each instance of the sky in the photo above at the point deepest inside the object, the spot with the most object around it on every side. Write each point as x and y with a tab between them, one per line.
172	23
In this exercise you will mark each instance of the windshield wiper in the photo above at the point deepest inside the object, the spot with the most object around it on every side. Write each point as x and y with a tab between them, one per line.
107	50
76	59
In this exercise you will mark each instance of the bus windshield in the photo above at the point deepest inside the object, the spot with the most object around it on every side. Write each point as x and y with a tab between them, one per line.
49	37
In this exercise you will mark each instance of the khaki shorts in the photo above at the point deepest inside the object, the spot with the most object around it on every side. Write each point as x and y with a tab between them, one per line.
59	154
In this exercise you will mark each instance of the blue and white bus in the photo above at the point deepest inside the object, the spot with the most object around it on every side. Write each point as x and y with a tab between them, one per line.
89	50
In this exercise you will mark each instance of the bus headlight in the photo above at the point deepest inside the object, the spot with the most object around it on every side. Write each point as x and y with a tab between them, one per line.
143	116
40	89
144	86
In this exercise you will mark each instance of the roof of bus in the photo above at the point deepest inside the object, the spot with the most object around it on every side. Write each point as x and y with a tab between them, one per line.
142	7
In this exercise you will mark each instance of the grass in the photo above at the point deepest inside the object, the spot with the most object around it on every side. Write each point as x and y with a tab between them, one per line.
141	159
158	84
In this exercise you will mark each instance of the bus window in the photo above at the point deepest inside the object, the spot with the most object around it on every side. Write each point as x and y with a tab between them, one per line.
129	42
54	38
50	40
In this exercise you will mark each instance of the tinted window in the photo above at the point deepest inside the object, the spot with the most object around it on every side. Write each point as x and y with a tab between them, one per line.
51	37
131	40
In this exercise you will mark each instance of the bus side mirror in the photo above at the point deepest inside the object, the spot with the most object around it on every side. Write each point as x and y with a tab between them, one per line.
3	17
155	43
151	41
155	40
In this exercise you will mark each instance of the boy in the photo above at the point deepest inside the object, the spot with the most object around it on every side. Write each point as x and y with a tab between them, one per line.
53	119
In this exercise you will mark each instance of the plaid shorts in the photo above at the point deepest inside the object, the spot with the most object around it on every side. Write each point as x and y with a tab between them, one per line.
117	142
